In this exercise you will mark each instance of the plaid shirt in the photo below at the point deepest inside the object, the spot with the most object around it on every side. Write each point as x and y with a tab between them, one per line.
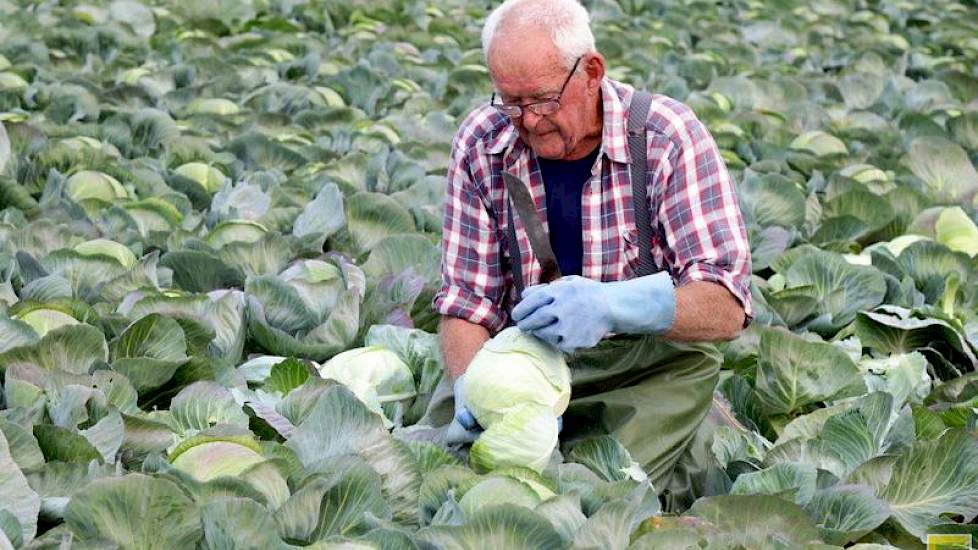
698	233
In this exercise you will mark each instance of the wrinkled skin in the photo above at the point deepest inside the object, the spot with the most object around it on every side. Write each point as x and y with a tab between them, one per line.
525	67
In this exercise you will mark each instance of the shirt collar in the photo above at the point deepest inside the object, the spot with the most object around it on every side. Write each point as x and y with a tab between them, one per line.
614	135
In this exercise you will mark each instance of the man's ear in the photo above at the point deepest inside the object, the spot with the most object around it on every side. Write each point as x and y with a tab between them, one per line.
594	67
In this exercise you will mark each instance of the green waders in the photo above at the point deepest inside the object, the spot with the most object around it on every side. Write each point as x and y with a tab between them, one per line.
653	396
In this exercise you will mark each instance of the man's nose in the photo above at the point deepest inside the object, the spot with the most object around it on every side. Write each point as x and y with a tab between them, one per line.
531	120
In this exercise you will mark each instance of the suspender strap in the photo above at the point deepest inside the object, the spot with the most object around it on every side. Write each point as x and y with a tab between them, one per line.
637	115
539	240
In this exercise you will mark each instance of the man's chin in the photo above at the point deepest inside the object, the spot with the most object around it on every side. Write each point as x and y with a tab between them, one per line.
547	148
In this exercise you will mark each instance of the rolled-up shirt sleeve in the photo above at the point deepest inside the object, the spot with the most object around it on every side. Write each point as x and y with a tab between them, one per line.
473	281
700	215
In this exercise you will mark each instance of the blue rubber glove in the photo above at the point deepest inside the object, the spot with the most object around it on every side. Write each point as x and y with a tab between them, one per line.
462	413
463	428
575	312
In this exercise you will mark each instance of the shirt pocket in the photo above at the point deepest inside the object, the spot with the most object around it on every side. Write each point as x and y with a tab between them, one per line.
629	258
631	244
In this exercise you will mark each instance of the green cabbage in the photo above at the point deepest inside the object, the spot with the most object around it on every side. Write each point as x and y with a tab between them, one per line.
112	249
12	81
897	245
89	184
514	369
210	178
208	460
957	231
516	386
525	436
498	490
212	106
236	231
43	320
85	144
205	458
374	374
319	284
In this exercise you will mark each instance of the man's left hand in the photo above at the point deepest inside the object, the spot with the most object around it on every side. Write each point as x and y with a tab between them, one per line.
569	313
575	312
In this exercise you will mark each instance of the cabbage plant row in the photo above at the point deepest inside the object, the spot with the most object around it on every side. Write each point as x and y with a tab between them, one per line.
219	228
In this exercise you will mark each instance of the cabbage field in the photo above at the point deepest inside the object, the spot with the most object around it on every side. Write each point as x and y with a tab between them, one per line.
219	242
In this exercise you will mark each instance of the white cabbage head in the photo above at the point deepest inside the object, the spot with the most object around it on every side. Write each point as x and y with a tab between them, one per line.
89	184
105	247
525	436
206	458
516	386
43	320
374	374
210	178
494	491
515	369
319	284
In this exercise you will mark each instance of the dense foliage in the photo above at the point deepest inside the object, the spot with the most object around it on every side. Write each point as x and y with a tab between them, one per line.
171	174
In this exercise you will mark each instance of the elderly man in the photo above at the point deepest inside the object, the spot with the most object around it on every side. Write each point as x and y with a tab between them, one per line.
643	290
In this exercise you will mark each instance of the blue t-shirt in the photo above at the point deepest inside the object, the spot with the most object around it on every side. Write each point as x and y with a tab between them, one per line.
564	183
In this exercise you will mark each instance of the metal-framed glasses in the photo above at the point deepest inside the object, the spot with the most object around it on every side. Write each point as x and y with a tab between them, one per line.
541	108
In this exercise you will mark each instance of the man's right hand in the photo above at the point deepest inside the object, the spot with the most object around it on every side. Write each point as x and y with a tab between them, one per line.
464	428
462	412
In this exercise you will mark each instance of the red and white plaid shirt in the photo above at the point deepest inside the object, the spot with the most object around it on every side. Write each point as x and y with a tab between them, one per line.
698	233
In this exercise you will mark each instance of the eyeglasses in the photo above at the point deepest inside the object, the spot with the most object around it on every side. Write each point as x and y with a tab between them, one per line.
541	108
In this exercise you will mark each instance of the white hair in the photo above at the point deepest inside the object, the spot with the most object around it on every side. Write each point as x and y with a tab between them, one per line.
568	21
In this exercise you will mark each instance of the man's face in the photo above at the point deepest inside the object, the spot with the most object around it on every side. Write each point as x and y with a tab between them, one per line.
529	70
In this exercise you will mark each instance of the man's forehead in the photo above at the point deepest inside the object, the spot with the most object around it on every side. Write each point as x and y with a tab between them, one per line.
524	48
520	71
510	76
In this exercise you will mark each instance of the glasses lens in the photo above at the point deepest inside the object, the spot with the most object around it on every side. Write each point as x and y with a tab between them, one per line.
512	111
544	108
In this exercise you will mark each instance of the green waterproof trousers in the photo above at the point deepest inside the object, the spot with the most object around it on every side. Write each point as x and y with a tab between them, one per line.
655	397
